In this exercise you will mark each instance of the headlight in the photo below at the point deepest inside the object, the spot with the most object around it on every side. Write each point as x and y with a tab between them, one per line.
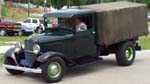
36	49
18	47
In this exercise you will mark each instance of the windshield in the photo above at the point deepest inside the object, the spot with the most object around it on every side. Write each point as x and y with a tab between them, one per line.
58	23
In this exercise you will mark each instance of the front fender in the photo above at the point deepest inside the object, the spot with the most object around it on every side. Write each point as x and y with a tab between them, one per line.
44	57
11	54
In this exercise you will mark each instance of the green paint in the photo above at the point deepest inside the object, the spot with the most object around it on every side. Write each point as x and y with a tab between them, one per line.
129	54
54	70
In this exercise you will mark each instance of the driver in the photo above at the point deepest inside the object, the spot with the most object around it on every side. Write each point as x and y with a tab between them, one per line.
80	26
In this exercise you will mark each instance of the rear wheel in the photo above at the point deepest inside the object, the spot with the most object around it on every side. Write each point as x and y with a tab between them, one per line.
53	70
125	54
39	30
3	32
10	61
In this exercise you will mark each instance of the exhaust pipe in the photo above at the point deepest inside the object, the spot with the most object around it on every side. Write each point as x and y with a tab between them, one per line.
38	70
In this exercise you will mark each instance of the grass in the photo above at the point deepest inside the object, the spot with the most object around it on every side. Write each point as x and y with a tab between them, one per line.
5	10
144	42
1	59
16	14
6	40
148	23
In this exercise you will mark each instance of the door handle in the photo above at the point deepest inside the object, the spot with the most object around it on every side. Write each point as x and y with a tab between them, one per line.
93	32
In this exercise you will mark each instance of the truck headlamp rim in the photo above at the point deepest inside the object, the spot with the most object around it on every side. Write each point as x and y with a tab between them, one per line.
36	49
18	47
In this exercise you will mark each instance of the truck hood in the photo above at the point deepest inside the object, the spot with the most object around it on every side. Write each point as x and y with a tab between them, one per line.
10	23
42	38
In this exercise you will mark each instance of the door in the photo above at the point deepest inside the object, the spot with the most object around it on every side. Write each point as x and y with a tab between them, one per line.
27	23
35	23
26	26
85	39
85	43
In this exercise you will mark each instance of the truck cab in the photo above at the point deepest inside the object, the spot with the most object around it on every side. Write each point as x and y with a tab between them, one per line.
8	27
74	46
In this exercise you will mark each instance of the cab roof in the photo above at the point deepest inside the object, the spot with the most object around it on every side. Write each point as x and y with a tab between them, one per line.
68	13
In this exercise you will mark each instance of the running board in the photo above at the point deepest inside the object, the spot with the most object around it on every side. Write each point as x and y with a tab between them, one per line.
38	70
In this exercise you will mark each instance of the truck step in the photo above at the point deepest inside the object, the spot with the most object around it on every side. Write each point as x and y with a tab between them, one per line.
87	60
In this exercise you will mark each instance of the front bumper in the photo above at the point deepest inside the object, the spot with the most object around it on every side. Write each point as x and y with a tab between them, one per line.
26	69
17	30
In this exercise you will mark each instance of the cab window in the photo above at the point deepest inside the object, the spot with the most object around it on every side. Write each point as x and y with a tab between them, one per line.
34	21
88	20
27	21
84	23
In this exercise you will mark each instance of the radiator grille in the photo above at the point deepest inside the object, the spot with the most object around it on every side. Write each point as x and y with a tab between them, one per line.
30	57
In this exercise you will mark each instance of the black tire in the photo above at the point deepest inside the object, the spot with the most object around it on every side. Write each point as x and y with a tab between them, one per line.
125	54
39	30
3	32
10	61
59	65
11	34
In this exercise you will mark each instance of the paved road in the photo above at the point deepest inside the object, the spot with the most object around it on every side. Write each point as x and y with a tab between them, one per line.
103	72
3	49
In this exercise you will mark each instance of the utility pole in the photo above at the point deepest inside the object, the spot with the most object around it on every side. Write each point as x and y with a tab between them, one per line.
69	3
102	1
28	8
0	10
97	1
45	1
19	6
134	0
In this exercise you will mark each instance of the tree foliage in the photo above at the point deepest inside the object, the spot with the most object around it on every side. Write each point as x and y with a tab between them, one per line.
60	3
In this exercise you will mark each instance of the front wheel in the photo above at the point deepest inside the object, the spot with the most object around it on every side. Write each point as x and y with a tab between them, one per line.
53	70
125	54
3	32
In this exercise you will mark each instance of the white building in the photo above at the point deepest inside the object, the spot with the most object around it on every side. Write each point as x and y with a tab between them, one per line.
2	1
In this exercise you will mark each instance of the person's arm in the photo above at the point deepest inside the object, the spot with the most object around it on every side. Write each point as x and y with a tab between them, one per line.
83	27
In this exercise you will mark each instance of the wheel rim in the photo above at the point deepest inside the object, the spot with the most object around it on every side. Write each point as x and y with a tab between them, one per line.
39	30
2	32
54	70
129	54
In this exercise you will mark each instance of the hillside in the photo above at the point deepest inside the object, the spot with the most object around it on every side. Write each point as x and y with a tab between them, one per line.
18	14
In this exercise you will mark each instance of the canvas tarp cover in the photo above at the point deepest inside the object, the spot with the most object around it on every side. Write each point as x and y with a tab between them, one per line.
119	21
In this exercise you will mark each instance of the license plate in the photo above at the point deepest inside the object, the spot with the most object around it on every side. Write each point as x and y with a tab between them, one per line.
16	29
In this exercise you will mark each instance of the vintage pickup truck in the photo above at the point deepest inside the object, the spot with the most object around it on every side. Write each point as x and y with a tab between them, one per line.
111	28
9	28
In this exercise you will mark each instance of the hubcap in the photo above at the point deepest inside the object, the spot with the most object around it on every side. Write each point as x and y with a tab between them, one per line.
129	54
2	32
54	69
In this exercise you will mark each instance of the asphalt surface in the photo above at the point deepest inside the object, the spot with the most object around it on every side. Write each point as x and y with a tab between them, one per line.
103	72
3	49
